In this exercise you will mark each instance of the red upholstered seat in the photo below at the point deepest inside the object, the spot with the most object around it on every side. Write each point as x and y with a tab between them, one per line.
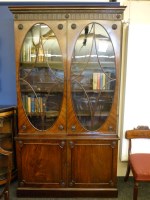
140	164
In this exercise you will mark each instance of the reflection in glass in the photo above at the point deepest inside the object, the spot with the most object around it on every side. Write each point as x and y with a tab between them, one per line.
93	76
41	76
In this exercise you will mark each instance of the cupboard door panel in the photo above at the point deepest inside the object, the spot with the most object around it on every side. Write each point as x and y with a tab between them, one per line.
42	163
92	163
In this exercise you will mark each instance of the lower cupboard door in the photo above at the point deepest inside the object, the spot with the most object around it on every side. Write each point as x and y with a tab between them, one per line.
93	164
41	164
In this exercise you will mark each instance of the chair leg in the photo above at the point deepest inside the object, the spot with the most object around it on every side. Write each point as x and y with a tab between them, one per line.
135	192
127	173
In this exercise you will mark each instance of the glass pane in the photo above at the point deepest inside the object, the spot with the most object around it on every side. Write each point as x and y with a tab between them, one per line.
41	76
93	76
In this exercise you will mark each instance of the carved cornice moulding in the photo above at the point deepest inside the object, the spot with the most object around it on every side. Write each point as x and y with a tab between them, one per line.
81	16
33	13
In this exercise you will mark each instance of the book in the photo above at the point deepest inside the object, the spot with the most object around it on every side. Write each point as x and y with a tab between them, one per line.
96	80
29	104
101	81
32	104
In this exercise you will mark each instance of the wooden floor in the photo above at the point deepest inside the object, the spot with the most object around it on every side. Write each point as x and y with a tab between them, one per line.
125	192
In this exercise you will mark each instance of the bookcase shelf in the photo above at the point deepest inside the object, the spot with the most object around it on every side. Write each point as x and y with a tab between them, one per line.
53	64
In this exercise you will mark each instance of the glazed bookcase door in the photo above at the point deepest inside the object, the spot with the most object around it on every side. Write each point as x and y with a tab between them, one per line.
41	78
93	71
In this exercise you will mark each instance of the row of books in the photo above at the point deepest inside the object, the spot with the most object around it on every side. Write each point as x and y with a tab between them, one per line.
34	104
101	81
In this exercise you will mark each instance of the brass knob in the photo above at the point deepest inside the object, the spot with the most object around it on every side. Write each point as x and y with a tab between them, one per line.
72	183
62	183
67	16
24	127
20	26
73	128
110	128
61	127
60	26
62	144
71	143
73	26
114	26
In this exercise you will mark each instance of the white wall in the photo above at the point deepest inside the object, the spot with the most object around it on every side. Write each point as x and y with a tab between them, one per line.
135	96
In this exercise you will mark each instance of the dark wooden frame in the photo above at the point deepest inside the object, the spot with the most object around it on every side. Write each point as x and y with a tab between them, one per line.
8	112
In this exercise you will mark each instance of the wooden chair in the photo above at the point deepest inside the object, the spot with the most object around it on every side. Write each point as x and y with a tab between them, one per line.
4	192
139	163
